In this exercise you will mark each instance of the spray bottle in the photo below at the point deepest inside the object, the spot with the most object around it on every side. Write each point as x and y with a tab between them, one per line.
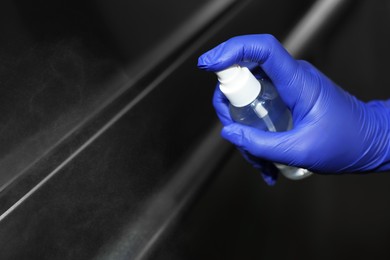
255	102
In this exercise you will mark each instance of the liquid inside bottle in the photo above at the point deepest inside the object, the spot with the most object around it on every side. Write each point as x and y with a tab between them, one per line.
268	112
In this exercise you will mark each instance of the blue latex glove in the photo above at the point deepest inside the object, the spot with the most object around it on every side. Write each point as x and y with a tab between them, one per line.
333	131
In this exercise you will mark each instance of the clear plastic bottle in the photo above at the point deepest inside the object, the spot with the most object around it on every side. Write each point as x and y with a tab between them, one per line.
255	102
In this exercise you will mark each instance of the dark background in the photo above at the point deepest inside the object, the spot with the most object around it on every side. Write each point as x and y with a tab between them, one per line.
109	146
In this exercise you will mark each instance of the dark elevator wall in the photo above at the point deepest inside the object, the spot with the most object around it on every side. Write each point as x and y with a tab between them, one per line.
110	146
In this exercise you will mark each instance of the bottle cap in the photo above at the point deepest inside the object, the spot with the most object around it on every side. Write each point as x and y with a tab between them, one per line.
239	85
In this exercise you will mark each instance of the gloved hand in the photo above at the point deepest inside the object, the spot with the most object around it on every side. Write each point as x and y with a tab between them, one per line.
333	131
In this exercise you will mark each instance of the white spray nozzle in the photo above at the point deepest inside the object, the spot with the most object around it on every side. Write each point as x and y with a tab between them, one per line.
239	85
228	74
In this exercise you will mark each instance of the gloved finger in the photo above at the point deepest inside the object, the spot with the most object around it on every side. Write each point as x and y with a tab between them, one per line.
221	105
264	49
270	146
268	170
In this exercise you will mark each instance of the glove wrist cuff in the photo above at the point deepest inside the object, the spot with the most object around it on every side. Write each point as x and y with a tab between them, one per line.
381	110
